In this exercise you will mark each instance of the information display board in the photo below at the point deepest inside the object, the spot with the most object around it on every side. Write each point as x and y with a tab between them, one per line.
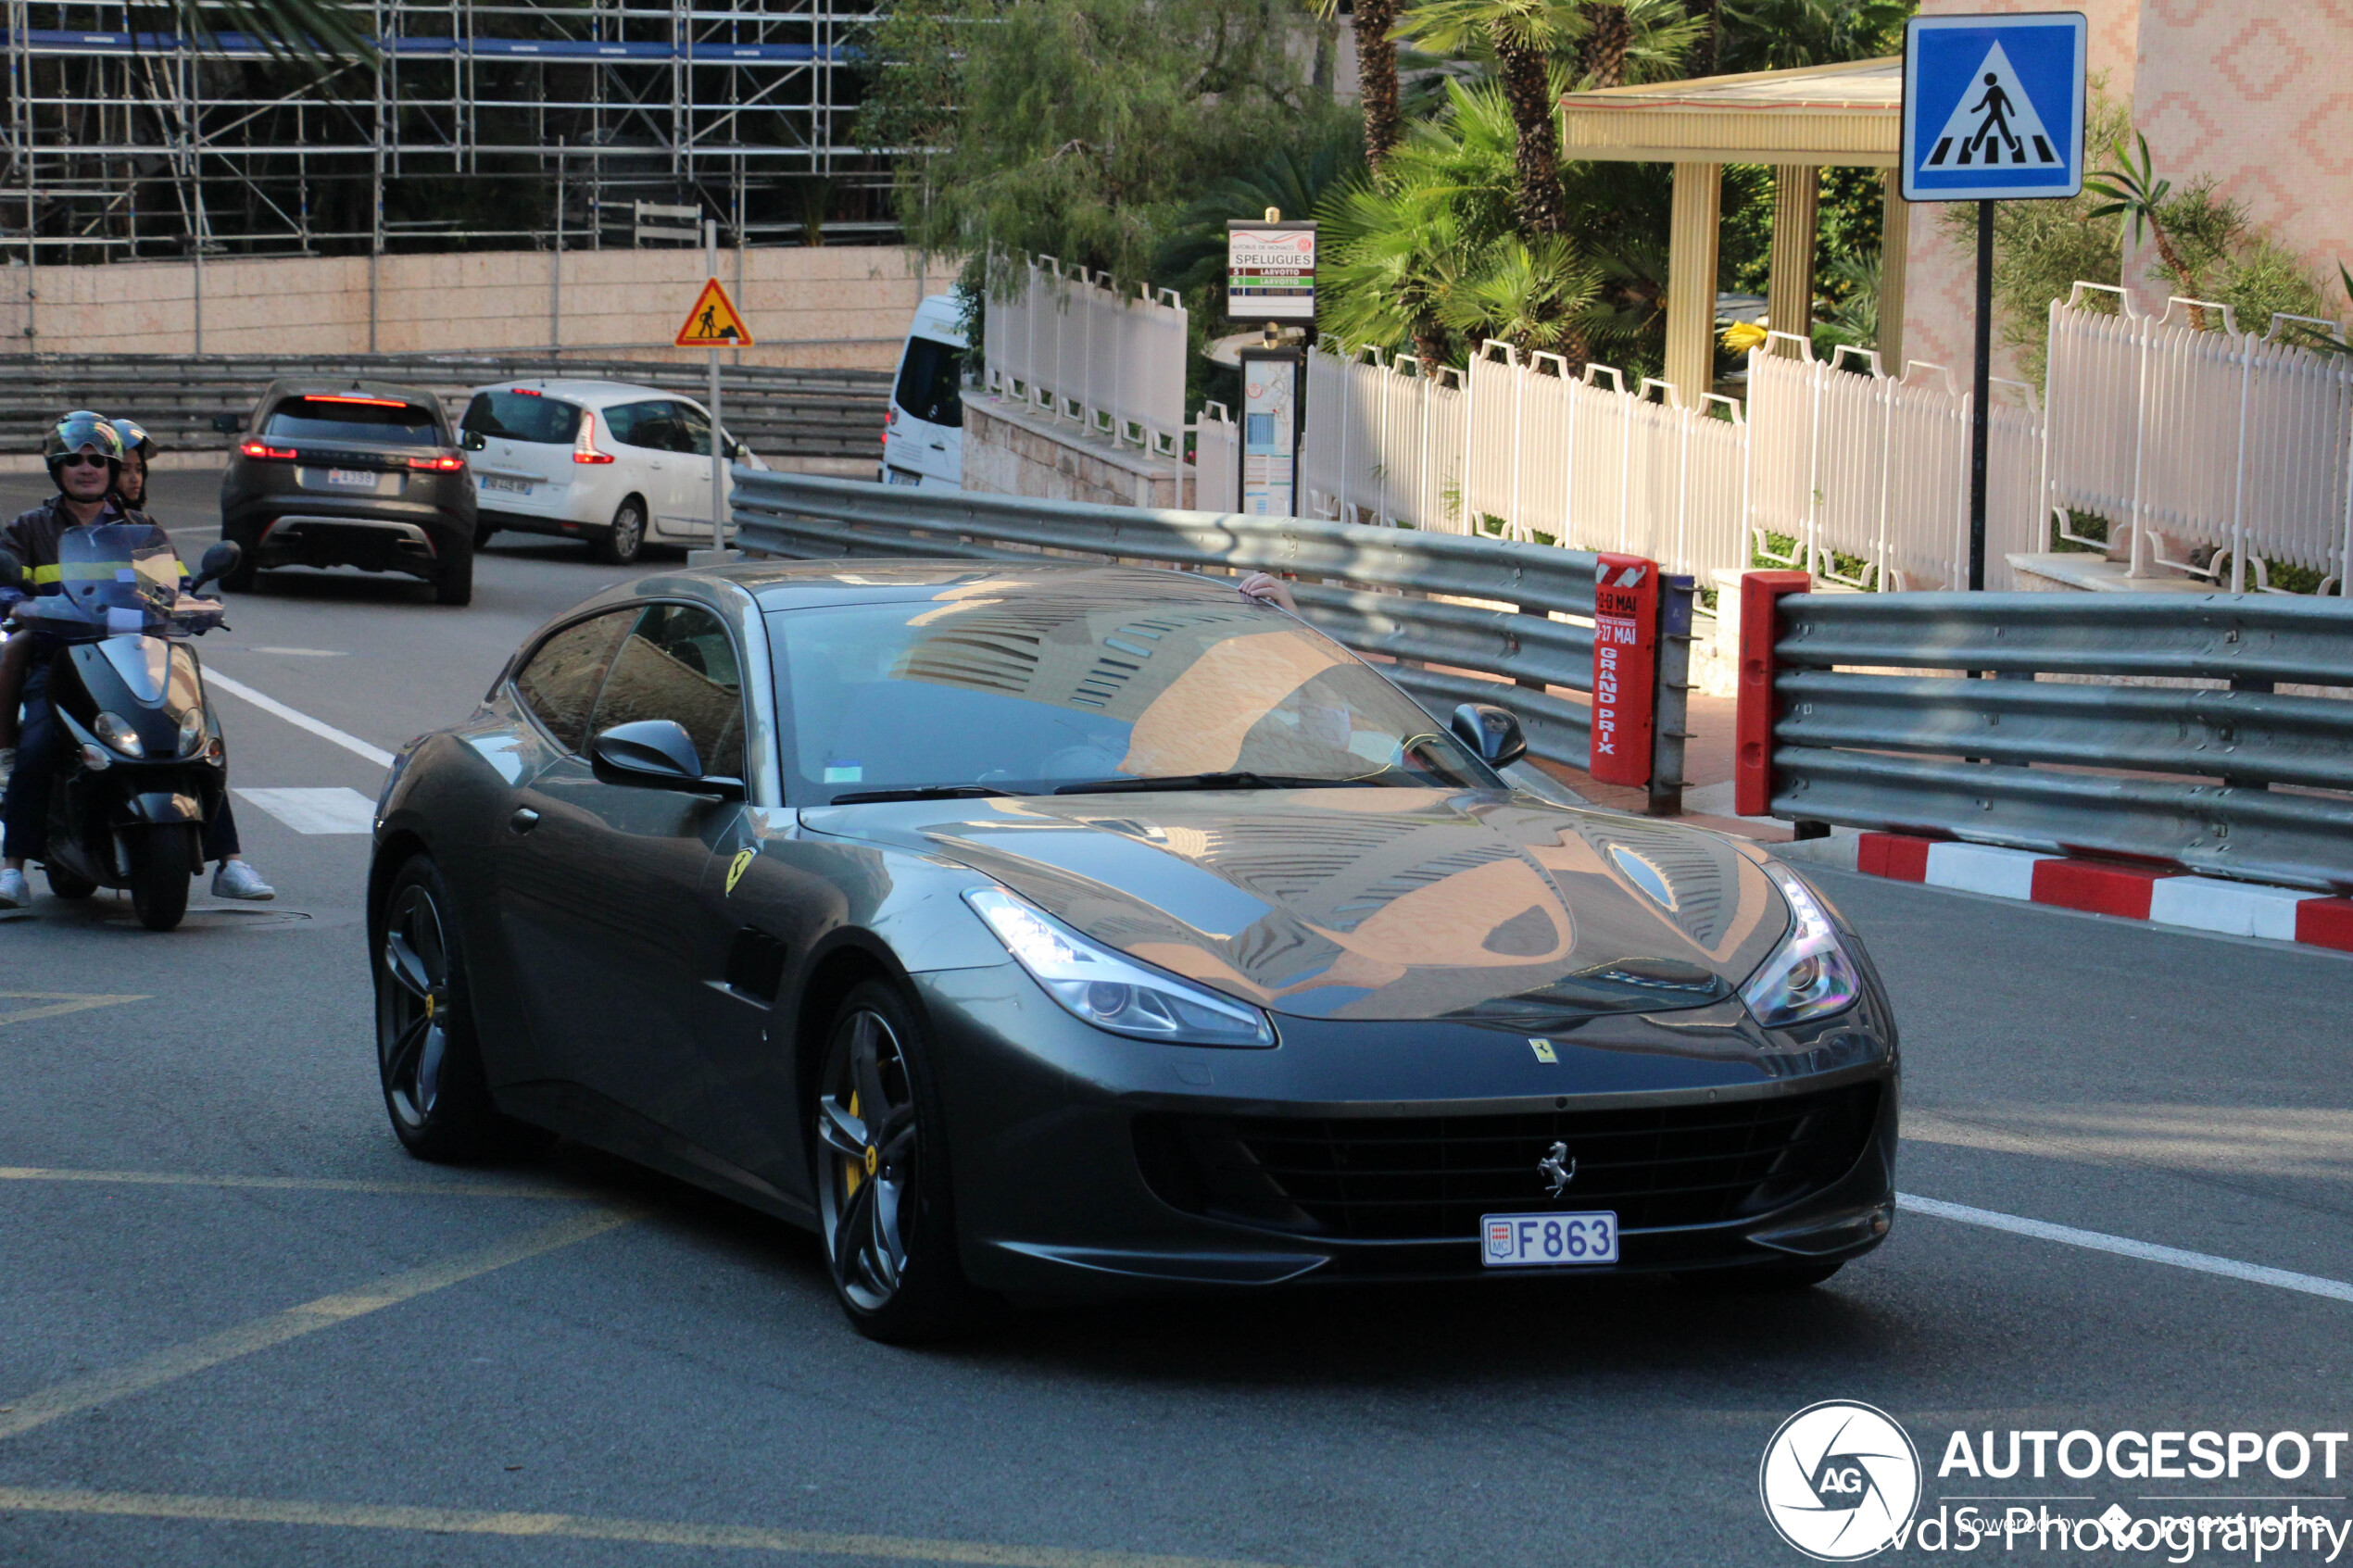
1270	271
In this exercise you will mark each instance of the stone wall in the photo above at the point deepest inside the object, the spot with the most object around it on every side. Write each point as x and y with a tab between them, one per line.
845	306
1013	451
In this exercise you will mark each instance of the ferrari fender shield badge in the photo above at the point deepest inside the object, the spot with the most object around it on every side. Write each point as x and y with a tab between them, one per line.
740	864
1543	1048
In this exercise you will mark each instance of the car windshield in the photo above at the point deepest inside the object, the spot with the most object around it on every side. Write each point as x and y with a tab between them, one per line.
993	685
354	417
521	415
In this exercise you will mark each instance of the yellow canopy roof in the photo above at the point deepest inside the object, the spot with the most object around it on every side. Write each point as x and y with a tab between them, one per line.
1844	115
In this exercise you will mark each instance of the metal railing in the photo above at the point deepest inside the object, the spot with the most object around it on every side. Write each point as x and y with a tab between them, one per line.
778	411
1447	610
2218	773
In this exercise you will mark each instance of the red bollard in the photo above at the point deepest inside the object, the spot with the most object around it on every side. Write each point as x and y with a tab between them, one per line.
1625	669
1761	593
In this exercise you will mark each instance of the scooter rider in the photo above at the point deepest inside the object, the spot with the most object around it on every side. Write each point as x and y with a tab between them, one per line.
131	483
85	460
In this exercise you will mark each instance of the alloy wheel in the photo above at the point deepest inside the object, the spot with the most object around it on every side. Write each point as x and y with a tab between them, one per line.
868	1162
412	1039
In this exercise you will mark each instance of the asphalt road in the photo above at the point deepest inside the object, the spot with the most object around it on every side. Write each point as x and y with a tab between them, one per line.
238	1325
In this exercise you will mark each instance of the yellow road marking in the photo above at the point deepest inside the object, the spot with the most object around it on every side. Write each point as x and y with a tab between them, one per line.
105	1387
288	1184
582	1527
60	1003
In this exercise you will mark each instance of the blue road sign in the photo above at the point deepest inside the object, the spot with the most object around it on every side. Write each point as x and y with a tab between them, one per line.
1994	107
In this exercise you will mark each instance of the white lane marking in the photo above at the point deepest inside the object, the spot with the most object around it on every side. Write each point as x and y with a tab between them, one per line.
303	653
2124	1247
267	704
317	810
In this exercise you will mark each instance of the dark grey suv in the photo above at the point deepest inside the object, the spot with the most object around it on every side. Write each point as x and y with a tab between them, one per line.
351	473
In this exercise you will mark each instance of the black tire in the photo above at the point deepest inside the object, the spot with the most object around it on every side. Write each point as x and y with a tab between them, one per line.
454	585
483	533
162	861
884	1204
65	884
626	540
428	1057
1762	1279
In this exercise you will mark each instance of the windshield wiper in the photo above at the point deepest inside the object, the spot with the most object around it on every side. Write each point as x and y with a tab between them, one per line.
923	792
1206	781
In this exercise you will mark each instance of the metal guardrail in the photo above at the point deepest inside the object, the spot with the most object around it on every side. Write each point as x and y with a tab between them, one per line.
2225	779
778	410
1390	592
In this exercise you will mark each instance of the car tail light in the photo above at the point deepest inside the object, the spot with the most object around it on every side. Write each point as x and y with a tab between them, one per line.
437	465
267	452
584	450
348	397
525	391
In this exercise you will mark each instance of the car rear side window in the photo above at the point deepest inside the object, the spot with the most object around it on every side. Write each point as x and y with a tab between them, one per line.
679	663
355	416
652	423
927	381
522	416
559	682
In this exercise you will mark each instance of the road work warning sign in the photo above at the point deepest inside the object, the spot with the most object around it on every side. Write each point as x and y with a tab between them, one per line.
714	321
1993	108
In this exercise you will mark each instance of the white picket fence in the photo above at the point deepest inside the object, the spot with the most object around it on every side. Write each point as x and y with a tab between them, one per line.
1072	348
2208	437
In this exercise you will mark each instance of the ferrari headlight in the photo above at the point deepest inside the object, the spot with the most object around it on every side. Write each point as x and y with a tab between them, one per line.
117	734
1809	975
1110	990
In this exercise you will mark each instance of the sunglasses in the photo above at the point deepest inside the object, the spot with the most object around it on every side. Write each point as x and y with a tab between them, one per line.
82	459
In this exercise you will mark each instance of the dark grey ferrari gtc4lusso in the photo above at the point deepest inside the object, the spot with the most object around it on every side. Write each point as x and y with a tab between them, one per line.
1060	929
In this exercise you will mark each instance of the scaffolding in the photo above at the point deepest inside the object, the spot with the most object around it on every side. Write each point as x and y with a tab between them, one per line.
482	125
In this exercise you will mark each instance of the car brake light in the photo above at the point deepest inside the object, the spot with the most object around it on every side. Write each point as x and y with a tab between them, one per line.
347	397
890	415
438	465
273	454
525	391
585	449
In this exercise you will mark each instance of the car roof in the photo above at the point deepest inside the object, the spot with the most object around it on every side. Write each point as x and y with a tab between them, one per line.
589	392
803	584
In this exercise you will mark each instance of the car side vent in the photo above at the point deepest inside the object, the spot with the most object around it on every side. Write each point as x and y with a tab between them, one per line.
756	964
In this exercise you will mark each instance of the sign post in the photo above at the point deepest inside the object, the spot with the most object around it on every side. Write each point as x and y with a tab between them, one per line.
1992	111
1270	277
714	323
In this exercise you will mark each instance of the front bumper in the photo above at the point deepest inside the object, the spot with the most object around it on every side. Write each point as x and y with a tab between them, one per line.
1055	1199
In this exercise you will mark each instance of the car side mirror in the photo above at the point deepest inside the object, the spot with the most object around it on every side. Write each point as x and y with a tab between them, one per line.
11	571
218	563
228	422
656	754
1491	732
472	440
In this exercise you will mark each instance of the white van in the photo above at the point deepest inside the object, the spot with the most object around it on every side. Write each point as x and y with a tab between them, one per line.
924	432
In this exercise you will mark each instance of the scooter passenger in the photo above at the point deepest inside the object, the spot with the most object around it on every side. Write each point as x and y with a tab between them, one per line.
84	454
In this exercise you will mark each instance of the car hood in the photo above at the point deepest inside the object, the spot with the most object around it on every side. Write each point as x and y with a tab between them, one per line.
1372	903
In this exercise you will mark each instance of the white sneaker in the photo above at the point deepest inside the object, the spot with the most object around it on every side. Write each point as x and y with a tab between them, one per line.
237	880
7	762
15	892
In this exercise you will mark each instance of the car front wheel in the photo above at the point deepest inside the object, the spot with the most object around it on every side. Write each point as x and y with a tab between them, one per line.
426	1053
882	1174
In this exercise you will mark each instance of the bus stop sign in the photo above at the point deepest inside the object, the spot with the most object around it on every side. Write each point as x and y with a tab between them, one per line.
1993	108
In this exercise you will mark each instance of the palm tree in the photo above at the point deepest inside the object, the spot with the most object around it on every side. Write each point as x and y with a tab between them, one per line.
1522	35
1375	23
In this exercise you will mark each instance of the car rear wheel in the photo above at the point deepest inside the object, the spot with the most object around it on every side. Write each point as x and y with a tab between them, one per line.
882	1174
455	583
483	533
427	1056
627	540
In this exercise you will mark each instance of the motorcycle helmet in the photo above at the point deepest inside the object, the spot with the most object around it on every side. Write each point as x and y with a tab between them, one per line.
80	429
135	439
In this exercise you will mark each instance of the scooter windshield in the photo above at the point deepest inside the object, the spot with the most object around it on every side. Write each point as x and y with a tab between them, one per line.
118	576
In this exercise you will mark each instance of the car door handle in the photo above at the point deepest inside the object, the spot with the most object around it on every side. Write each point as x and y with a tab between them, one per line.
524	820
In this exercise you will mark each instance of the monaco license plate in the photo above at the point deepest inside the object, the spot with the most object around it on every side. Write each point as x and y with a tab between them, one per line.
358	479
1542	1241
514	486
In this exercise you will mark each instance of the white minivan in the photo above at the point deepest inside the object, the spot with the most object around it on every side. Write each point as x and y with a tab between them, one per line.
923	431
616	465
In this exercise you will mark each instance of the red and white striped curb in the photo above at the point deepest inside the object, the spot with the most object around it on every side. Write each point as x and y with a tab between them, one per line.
2105	887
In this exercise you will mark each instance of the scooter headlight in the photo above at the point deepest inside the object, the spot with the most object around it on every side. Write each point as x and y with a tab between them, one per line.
117	734
191	732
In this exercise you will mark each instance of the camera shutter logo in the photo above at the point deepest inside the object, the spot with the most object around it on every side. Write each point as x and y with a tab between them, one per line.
1840	1481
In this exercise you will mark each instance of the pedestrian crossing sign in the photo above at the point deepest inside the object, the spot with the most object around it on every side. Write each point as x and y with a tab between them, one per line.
1994	107
714	321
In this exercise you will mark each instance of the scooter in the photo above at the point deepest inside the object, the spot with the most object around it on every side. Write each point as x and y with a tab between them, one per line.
142	767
